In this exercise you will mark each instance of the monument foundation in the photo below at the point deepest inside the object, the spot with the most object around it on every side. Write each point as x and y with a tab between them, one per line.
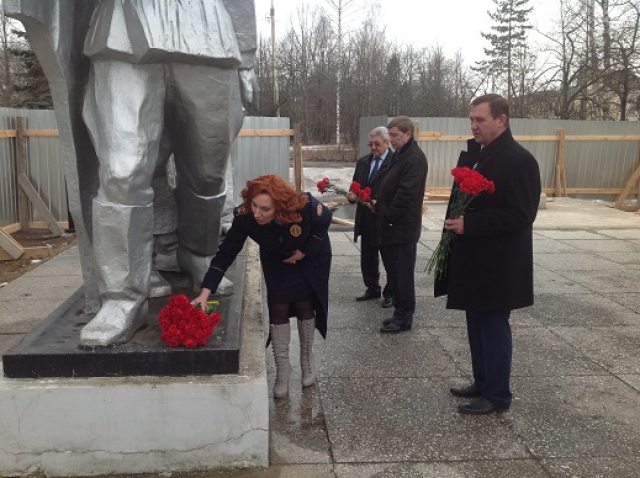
81	426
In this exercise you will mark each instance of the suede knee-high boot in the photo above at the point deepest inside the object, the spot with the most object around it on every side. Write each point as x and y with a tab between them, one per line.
306	329
280	338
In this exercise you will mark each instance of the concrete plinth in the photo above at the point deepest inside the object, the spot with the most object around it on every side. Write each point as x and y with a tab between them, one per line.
98	426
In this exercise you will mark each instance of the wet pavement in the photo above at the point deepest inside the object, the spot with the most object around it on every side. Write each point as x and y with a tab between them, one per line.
381	407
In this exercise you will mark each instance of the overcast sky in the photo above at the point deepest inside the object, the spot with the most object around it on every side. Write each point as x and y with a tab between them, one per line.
455	25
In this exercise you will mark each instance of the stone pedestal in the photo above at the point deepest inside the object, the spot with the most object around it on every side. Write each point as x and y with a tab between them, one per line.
74	426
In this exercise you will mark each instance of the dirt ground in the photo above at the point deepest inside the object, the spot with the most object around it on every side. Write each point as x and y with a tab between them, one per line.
12	269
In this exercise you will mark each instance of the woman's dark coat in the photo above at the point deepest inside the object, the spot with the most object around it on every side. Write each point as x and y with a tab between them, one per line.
310	236
491	264
400	196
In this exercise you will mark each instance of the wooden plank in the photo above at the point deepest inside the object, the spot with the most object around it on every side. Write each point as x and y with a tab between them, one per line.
634	177
266	132
344	222
426	135
625	137
42	133
43	225
21	163
423	136
587	191
39	204
29	253
11	228
436	137
8	243
561	182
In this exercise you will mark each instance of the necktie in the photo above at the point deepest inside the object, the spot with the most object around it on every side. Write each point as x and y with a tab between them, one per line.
376	166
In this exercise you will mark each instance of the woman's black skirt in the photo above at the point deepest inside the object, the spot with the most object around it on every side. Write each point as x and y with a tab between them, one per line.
294	287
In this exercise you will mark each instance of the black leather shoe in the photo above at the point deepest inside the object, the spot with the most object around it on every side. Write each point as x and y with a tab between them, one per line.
387	321
386	302
479	406
368	295
393	328
469	391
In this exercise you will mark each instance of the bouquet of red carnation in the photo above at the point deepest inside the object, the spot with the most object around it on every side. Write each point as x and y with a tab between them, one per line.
363	195
468	184
184	324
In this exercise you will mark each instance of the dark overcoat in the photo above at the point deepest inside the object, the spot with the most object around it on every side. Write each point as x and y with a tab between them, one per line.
490	267
310	236
400	196
361	175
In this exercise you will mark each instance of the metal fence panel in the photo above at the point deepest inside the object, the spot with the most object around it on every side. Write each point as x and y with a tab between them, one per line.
8	195
588	164
251	156
261	155
45	168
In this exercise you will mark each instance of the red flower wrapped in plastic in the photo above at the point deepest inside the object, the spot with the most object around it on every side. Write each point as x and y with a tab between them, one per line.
468	184
363	195
183	324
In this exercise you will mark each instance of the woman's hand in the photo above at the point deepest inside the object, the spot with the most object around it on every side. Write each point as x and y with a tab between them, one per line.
201	300
295	257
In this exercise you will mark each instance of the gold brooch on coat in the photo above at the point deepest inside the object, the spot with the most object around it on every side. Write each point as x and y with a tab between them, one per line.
295	230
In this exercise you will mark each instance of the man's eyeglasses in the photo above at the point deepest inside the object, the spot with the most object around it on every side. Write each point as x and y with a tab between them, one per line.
376	144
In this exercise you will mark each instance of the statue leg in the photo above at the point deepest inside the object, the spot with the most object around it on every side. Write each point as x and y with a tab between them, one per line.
123	112
208	118
164	220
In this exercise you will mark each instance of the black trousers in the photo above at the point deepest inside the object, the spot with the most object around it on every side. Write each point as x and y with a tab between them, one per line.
400	263
491	347
370	259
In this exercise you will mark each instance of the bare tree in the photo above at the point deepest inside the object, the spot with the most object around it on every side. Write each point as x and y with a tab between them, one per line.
341	9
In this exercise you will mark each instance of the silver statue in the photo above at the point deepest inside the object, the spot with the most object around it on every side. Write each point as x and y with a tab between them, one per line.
148	79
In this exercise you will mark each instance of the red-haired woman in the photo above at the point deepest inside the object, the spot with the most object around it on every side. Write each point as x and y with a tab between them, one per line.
291	229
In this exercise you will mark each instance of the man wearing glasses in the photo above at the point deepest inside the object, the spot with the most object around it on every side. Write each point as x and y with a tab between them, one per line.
369	172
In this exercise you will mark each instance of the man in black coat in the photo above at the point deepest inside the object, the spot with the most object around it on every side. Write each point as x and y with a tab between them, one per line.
490	267
368	173
398	207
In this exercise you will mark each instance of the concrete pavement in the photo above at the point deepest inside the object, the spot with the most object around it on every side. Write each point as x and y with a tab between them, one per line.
381	407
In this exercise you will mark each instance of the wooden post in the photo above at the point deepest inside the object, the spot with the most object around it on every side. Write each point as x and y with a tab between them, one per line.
416	130
638	181
297	157
21	168
561	179
635	177
27	193
14	250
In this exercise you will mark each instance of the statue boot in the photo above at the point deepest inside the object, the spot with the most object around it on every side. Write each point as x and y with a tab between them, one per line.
199	235
123	245
196	266
158	285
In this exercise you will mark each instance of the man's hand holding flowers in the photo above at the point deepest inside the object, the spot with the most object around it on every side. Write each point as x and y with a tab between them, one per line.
468	184
355	194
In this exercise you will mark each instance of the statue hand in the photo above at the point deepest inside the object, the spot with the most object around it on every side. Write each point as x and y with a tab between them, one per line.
249	89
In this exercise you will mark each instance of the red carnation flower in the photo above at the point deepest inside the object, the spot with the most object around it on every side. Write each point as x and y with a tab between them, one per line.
468	184
183	324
